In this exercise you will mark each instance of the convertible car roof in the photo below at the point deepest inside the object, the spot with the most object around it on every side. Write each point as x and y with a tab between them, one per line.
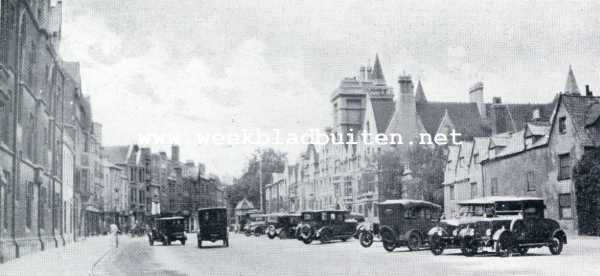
170	218
407	202
494	199
283	215
213	208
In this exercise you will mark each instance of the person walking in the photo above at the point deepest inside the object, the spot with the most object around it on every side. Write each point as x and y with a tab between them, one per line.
114	232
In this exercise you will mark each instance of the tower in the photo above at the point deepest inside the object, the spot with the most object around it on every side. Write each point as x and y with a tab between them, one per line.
404	120
571	84
476	96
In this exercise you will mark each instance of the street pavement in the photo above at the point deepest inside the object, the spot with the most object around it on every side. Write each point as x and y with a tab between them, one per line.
261	256
74	259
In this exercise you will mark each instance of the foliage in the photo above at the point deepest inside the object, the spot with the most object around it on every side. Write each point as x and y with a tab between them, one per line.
247	186
586	176
423	181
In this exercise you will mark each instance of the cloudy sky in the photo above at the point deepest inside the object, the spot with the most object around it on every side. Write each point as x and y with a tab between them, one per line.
187	66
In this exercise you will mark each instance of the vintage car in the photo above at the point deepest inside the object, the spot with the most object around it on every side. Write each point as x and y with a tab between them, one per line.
212	224
282	225
327	225
406	222
504	225
306	218
257	224
167	230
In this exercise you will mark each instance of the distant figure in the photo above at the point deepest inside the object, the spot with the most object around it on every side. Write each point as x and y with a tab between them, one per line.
114	232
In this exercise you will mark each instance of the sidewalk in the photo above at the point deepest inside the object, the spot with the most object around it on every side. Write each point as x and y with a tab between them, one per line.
75	259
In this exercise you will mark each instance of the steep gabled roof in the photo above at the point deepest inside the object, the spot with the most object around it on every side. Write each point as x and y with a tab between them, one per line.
465	117
420	94
578	108
383	110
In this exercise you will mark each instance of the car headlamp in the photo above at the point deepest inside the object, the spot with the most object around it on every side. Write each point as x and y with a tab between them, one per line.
488	232
455	232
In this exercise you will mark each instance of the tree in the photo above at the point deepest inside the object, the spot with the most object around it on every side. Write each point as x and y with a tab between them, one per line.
586	176
248	185
422	181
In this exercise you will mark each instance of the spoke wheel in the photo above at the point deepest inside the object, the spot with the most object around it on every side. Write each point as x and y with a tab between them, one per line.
388	246
556	246
325	237
366	239
504	246
414	241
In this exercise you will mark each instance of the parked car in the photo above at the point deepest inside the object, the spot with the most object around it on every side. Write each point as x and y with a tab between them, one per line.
405	222
504	225
212	224
257	224
327	225
167	230
306	218
282	225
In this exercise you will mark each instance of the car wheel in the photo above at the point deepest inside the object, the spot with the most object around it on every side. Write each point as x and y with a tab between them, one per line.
366	239
226	242
247	233
182	242
165	241
523	250
151	242
468	247
271	235
307	240
199	243
556	246
414	241
504	245
437	247
389	246
325	236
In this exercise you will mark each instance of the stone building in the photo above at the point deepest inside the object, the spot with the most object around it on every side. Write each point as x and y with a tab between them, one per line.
347	176
535	161
33	126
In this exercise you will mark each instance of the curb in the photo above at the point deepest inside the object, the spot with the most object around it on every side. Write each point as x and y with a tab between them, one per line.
91	272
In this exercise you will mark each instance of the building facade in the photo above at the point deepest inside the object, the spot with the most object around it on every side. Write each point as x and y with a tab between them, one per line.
536	161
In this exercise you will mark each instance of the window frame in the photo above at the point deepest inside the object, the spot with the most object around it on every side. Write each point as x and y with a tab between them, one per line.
562	125
565	157
562	207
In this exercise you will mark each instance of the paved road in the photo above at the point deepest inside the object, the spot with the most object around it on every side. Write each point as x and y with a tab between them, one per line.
261	256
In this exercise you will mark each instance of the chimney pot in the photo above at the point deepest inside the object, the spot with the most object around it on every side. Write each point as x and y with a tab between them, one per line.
588	91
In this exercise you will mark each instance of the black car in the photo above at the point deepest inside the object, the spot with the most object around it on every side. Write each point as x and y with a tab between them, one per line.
167	230
405	222
327	225
212	224
503	225
282	225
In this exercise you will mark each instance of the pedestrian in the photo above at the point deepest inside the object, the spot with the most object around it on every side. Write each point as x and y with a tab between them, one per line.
114	232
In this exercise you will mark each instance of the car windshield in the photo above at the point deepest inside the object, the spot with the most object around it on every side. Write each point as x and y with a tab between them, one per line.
509	207
475	211
212	216
307	216
172	225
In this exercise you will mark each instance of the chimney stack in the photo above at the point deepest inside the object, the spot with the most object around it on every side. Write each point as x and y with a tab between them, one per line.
175	153
588	92
497	100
